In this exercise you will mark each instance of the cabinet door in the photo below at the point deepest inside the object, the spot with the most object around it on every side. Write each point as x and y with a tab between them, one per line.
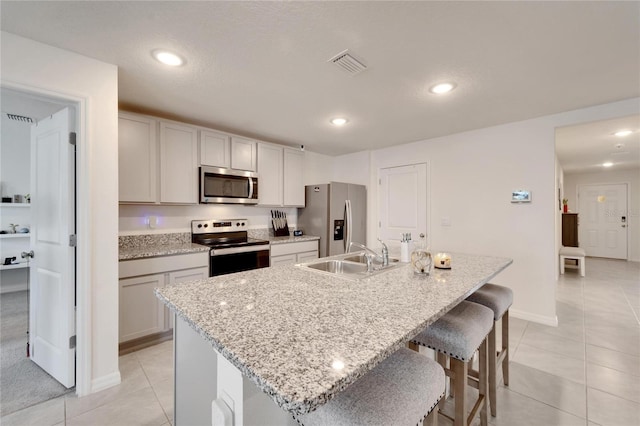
293	178
137	159
178	164
286	259
215	149
183	277
307	256
243	154
270	170
141	313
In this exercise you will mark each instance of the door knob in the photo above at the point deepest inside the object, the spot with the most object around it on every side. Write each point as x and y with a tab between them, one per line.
26	254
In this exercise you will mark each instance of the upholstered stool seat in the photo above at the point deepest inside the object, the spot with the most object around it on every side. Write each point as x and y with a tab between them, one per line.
499	299
574	253
401	390
458	335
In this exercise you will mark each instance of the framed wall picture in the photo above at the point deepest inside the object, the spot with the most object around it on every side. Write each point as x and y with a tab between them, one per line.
521	196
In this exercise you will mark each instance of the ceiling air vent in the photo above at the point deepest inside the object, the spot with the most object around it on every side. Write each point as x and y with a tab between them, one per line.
346	62
22	118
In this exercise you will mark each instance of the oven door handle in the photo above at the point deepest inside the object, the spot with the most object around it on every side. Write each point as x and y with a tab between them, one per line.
235	250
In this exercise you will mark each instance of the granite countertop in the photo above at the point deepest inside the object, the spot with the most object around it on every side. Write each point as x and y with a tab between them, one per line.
292	239
302	336
131	253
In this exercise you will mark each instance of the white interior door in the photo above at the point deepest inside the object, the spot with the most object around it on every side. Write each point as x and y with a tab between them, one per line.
52	270
603	220
403	201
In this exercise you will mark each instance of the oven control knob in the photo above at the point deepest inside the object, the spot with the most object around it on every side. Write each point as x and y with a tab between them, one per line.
238	224
206	225
199	225
242	223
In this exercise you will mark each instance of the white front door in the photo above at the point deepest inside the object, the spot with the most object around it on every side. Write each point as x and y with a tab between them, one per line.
403	201
602	220
52	269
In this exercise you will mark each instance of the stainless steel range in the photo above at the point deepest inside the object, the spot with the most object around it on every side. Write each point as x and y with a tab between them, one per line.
231	248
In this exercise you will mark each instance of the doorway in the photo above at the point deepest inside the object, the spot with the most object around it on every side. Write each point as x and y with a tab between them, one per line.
26	378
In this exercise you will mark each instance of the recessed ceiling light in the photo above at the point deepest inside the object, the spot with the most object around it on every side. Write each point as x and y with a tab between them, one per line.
607	164
441	88
339	121
623	133
167	58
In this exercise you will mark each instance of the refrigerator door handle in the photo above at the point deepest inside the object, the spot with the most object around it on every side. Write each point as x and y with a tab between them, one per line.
347	224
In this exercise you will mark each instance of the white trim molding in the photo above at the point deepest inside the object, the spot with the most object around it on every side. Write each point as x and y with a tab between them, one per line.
540	319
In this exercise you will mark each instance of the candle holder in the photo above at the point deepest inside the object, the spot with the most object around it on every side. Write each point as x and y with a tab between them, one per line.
442	261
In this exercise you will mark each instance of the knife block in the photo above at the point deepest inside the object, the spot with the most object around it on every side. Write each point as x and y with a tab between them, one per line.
282	232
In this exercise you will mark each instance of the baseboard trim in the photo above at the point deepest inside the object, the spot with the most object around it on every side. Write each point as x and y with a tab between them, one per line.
540	319
105	382
144	342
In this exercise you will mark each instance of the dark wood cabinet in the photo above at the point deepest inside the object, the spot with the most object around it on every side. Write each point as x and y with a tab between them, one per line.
570	229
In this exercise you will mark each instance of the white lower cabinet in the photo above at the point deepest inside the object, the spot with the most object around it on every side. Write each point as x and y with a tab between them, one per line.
298	252
140	312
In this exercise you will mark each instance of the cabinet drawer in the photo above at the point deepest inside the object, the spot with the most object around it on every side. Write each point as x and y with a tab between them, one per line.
291	248
155	265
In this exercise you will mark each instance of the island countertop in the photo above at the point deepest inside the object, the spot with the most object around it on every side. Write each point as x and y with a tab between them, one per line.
303	336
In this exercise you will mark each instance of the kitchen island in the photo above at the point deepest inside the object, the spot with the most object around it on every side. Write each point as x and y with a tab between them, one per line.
277	341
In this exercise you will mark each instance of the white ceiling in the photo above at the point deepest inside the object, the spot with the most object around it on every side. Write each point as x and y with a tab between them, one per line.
586	147
260	68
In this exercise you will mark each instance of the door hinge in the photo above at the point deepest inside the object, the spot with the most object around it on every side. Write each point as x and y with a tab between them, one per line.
72	138
73	240
72	342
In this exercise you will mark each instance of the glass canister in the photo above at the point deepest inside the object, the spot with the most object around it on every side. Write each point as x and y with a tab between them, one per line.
421	259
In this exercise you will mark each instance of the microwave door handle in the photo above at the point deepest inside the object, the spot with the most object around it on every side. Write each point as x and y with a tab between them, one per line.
250	188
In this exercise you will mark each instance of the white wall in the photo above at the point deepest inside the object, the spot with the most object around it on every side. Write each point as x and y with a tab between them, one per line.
133	218
32	66
630	177
318	168
471	176
14	157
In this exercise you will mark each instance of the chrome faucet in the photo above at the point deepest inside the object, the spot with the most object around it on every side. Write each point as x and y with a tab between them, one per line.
370	254
385	253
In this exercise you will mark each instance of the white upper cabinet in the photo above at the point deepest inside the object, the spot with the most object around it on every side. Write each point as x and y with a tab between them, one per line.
293	178
243	154
270	171
137	158
215	149
178	163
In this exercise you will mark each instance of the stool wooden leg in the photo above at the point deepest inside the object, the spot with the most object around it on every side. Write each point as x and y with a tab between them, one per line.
492	370
483	382
413	346
505	347
460	371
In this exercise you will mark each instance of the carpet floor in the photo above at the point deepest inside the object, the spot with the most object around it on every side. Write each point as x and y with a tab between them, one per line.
22	382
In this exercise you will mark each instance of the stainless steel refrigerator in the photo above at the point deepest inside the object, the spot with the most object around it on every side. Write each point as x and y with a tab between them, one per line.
337	213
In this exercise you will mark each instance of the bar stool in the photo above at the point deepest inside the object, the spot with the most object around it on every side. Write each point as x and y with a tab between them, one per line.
457	336
402	390
499	299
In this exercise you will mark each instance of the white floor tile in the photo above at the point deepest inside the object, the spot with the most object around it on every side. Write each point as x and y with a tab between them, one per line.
47	413
609	410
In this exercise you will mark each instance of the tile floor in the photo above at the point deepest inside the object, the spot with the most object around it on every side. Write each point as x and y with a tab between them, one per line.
586	371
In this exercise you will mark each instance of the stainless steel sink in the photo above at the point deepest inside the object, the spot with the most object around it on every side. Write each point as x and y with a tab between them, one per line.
351	266
339	267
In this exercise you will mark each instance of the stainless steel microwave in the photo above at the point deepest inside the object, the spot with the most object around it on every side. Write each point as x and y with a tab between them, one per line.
226	186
